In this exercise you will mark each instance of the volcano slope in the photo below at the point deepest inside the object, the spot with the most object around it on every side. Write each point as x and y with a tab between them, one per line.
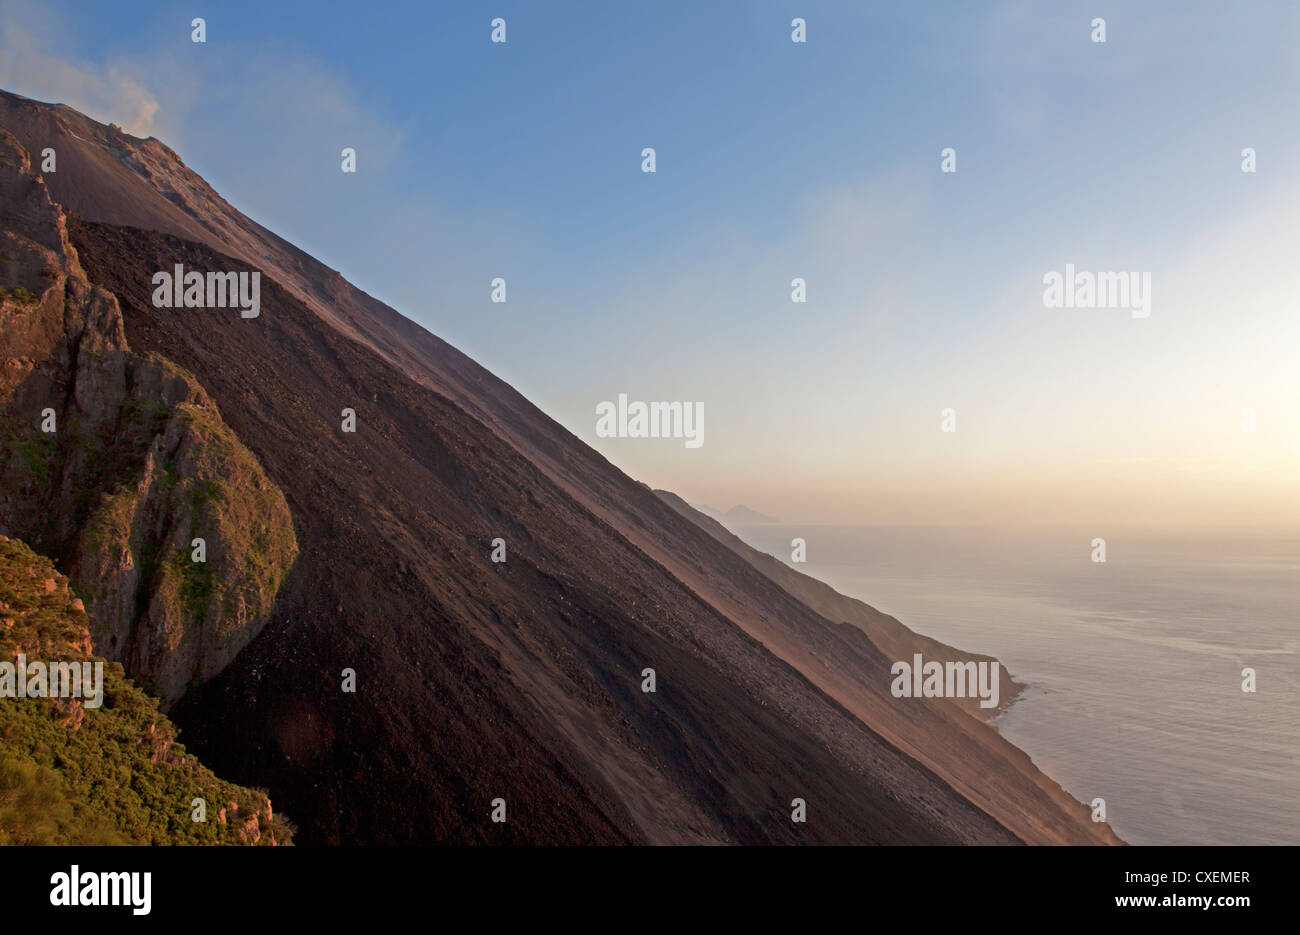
477	680
521	680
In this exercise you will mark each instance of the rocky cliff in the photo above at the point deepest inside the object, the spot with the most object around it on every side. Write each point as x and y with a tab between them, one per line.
120	465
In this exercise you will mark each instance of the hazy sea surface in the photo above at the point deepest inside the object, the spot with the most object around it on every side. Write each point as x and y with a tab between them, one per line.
1133	667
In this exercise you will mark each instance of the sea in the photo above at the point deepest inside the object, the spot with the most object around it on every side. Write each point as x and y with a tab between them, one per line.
1133	666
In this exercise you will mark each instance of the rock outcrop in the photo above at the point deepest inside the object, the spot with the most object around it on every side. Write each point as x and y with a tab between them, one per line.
120	465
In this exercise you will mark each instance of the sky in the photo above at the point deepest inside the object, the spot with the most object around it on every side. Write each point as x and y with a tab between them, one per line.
775	160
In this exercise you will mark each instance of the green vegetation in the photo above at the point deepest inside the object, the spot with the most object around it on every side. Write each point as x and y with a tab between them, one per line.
110	775
197	584
36	807
37	451
109	529
201	493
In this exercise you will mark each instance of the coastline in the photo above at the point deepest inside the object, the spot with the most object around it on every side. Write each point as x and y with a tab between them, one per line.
954	737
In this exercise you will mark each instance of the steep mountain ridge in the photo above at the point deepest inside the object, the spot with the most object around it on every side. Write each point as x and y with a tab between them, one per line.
525	674
519	680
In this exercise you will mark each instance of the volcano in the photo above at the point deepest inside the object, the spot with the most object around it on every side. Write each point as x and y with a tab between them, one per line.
472	681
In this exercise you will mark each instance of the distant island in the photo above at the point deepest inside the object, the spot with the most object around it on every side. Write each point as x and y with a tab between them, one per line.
737	514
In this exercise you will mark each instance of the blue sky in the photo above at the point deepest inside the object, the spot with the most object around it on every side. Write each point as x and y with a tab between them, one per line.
778	160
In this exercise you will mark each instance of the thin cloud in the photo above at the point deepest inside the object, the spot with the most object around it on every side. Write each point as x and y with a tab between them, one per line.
109	94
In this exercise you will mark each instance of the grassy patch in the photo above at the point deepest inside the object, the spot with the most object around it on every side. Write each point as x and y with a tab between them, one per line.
116	777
